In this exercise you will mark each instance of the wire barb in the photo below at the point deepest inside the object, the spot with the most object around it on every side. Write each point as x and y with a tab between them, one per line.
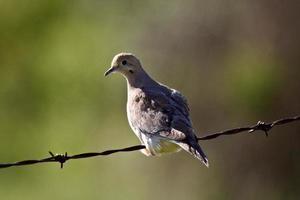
63	158
262	126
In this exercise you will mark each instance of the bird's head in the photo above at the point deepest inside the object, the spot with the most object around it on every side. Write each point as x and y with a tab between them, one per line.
125	63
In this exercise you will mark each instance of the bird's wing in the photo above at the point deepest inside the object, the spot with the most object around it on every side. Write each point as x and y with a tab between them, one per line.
162	112
180	101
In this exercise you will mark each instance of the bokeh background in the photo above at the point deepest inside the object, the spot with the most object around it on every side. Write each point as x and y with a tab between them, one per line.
237	62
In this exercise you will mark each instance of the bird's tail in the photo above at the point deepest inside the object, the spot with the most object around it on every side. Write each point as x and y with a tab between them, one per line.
195	149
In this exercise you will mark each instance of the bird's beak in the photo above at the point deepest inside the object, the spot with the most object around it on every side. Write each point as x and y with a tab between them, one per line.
109	71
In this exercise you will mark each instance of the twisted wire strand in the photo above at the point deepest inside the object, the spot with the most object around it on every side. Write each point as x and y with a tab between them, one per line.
63	158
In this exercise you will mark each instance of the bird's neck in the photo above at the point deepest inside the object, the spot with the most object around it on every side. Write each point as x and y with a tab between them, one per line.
139	79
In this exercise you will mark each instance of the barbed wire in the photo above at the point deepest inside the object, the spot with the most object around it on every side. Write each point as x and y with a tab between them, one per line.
260	126
63	158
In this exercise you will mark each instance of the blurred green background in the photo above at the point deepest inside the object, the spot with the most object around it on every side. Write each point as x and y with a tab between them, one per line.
237	62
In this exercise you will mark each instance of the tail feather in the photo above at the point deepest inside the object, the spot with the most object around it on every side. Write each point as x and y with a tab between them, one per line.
196	151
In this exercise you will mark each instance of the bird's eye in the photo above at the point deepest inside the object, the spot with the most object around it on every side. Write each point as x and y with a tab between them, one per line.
124	62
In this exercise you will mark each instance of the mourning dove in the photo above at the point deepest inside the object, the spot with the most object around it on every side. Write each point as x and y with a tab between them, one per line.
157	114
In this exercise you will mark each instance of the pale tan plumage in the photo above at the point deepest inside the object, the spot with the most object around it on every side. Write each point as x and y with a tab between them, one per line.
158	115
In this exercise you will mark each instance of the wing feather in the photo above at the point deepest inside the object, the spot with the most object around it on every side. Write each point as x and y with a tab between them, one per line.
162	112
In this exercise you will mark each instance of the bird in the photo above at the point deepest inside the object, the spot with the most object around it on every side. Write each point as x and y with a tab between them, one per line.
157	114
